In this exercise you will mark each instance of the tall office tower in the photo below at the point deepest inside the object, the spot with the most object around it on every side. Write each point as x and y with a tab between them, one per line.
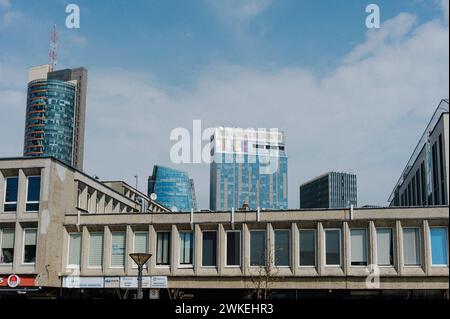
425	179
330	190
173	188
249	167
55	115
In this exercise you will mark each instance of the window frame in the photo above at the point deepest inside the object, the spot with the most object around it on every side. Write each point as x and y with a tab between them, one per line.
111	266
182	265
4	195
168	253
325	248
26	194
367	246
68	264
103	250
226	249
274	262
392	247
250	247
2	230
217	244
133	264
23	246
315	247
418	247
431	248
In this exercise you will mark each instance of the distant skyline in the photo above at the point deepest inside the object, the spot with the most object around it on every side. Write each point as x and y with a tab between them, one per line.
348	99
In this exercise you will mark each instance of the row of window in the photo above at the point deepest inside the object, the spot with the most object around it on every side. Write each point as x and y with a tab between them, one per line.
12	189
281	255
7	237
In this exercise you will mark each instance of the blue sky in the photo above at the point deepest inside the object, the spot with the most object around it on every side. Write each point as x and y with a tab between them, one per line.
347	97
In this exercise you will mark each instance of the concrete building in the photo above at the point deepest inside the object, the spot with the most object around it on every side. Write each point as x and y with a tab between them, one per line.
330	190
249	167
55	116
425	180
70	235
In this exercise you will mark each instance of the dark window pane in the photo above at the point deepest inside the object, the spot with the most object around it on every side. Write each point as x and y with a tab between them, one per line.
333	247
233	248
257	248
11	194
307	247
34	188
282	248
209	249
163	248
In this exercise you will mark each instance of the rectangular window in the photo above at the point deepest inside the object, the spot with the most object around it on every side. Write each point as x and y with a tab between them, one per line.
411	246
186	248
96	250
11	187
6	246
358	245
257	248
209	249
385	248
163	248
233	248
307	247
333	247
439	246
140	244
29	247
118	249
282	248
33	193
74	250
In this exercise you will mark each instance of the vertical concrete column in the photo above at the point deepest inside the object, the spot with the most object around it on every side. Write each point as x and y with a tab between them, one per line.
270	253
101	205
399	247
2	191
65	249
109	206
84	249
129	248
93	208
18	248
425	247
245	249
21	194
221	253
175	243
372	253
83	198
295	249
197	248
107	239
320	249
152	246
346	247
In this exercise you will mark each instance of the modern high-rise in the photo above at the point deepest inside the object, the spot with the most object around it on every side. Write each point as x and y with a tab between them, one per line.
425	180
248	169
330	190
173	188
55	115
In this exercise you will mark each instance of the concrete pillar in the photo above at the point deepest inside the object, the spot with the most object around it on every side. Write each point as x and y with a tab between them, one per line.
372	238
175	249
425	247
346	262
398	247
107	239
295	249
197	248
270	253
245	249
320	249
2	191
221	253
129	248
152	247
84	249
21	194
18	248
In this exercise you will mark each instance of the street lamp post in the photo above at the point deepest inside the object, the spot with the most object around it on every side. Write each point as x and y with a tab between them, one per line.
140	259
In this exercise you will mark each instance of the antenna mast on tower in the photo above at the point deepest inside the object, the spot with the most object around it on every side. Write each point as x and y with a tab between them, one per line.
52	54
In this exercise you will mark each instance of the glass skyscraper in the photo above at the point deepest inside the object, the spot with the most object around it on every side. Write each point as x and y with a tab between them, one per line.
54	124
173	188
249	167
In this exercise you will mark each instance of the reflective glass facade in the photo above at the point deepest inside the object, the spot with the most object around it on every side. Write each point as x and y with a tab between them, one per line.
250	170
49	127
174	189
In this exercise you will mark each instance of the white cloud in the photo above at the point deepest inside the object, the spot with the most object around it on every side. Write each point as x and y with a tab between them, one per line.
239	10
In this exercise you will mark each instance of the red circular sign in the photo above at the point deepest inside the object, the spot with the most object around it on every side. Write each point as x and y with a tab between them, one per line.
13	281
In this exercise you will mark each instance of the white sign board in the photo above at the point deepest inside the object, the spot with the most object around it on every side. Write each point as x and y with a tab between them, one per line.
158	282
131	282
112	282
83	282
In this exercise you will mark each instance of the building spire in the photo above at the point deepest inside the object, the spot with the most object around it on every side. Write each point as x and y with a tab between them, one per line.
52	53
